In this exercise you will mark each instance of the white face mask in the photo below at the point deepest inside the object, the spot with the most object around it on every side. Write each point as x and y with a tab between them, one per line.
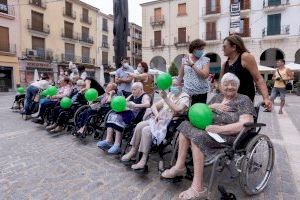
140	70
125	65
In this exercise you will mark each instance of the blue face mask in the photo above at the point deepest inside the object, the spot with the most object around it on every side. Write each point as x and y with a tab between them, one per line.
198	53
175	90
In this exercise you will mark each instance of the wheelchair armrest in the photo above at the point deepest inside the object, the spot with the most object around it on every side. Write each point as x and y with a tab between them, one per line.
253	125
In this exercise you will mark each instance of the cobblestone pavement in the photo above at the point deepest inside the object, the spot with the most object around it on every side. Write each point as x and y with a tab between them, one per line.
37	165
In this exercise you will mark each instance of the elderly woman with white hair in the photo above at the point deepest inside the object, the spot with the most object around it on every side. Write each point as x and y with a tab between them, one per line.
230	112
137	103
154	129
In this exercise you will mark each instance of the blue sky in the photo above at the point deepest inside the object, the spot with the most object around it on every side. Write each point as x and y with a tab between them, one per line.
106	6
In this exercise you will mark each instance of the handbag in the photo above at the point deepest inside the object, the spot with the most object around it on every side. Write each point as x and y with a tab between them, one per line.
288	85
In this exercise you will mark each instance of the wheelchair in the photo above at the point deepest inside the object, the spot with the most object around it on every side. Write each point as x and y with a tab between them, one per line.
95	123
250	158
18	103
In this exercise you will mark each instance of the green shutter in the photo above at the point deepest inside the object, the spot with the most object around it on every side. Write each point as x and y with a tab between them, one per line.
274	24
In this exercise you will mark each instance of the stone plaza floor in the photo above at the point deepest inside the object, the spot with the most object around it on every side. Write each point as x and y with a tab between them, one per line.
37	165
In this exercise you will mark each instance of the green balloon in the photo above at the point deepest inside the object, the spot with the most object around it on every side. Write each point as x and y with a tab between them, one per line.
91	94
200	115
45	93
118	104
164	81
52	90
66	103
21	90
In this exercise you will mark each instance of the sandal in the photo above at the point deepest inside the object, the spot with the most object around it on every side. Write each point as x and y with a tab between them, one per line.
173	173
191	193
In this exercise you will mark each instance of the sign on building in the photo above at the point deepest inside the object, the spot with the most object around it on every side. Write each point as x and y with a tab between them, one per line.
235	17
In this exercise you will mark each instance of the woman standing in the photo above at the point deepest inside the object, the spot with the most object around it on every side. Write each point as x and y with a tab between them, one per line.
194	72
145	78
241	63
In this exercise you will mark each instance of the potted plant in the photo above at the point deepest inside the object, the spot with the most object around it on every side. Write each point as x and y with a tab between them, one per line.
173	70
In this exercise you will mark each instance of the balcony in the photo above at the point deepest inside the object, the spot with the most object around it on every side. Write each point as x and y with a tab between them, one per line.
105	45
244	9
275	5
157	21
42	30
137	52
38	3
246	33
86	39
157	45
211	12
7	11
181	43
65	58
274	34
69	13
86	19
69	35
8	49
212	37
38	55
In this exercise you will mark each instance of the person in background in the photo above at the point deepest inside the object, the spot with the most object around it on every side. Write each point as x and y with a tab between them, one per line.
82	72
123	79
194	72
281	76
32	91
144	77
241	63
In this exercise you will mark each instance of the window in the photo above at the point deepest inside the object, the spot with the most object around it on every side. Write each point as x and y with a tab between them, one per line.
85	33
211	31
68	8
182	35
157	14
105	58
68	30
37	21
69	51
244	27
85	51
85	15
4	39
245	4
274	2
104	25
274	24
104	38
39	45
182	9
157	38
213	5
3	6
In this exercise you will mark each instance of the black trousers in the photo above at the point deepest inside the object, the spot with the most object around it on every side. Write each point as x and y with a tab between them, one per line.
199	98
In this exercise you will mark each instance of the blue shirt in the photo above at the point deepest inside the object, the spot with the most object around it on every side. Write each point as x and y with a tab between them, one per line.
121	73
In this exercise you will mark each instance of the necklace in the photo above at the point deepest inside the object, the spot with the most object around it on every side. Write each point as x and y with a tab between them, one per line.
231	62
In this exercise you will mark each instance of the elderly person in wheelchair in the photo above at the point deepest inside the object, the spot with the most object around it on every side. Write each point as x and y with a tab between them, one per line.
102	105
155	128
231	111
117	122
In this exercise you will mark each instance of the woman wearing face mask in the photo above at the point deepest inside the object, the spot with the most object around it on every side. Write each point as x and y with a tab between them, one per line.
144	77
156	120
194	71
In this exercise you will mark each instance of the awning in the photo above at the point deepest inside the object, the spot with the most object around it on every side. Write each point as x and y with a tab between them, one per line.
293	66
262	68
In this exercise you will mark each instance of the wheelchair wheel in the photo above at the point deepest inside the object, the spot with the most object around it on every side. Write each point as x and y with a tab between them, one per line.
48	115
257	165
77	115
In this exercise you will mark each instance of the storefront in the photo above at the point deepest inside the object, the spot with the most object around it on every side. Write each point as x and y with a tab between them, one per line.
27	69
9	71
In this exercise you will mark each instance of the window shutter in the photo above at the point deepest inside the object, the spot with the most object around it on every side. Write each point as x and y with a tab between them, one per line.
4	39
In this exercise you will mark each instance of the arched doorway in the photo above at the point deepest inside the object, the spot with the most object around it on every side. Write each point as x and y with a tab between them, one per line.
159	63
268	57
178	60
297	57
215	63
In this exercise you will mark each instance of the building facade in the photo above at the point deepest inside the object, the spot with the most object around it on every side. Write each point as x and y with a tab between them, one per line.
9	44
168	28
134	47
270	28
54	33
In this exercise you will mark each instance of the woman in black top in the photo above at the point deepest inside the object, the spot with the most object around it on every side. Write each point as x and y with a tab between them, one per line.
241	63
